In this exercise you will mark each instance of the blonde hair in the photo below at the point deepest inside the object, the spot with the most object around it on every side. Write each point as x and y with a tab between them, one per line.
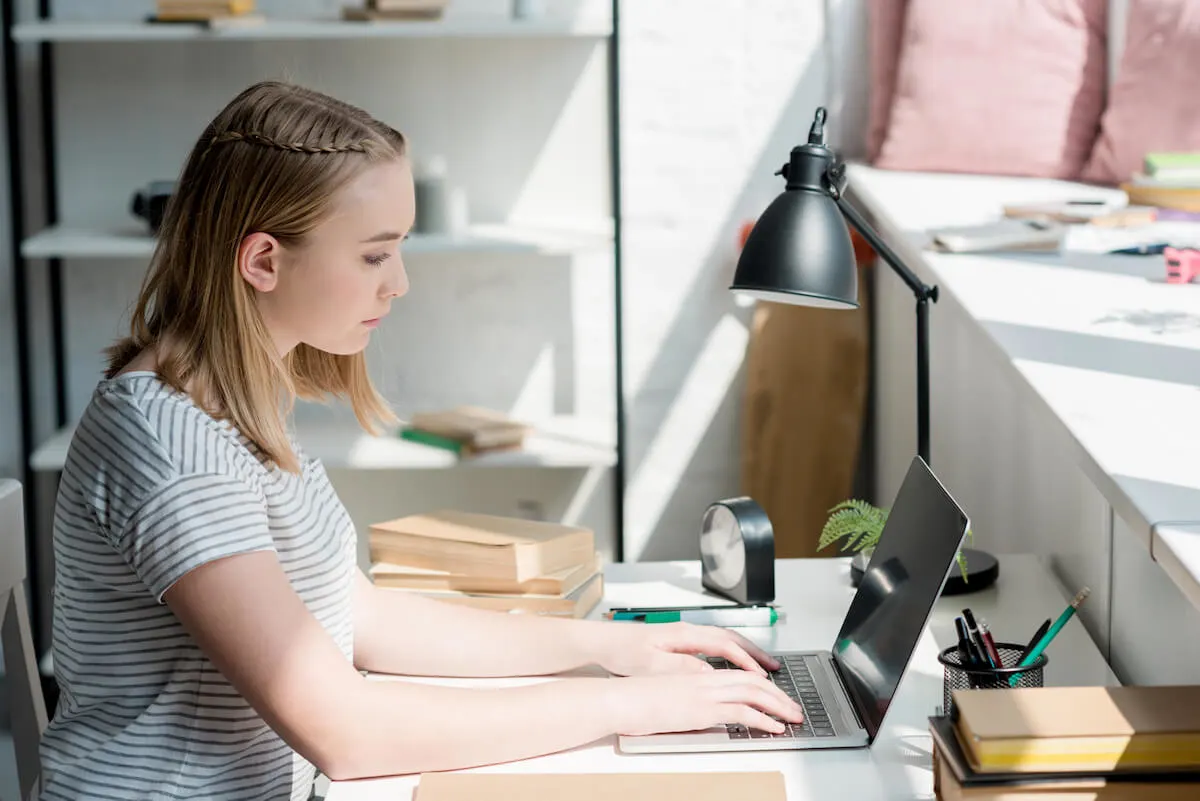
270	161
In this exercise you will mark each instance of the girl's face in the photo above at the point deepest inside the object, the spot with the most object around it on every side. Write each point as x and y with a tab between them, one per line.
334	290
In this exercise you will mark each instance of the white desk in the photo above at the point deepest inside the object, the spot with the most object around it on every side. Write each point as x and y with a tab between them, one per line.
815	593
1102	341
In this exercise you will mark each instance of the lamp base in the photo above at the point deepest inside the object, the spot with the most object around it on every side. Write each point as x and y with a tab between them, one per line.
982	571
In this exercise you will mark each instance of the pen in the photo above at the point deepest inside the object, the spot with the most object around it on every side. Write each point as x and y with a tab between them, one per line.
989	644
1035	639
1155	249
965	653
985	659
1032	656
725	616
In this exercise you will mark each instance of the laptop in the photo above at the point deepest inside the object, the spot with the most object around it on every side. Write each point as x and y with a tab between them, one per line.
846	691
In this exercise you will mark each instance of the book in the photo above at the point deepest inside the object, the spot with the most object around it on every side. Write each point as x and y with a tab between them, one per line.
470	544
692	785
1160	161
406	577
1005	234
948	788
577	604
1056	729
461	448
405	5
1184	198
353	14
200	10
950	750
1077	213
473	428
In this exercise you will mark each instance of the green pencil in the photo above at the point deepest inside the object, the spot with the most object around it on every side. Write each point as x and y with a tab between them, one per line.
1050	634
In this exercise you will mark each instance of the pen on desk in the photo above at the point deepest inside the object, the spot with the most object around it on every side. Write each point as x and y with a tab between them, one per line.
725	616
1057	626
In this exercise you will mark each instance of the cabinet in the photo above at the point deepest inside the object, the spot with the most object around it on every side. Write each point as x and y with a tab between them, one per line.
519	312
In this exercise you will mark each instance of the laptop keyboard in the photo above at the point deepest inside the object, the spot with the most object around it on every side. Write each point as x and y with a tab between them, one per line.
794	678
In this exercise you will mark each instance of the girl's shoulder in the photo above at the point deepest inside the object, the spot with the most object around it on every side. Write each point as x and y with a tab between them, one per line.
139	411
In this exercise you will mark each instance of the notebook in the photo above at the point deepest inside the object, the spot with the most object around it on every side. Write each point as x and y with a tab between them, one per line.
693	786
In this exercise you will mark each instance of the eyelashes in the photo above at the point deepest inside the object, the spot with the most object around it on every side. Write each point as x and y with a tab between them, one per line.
377	259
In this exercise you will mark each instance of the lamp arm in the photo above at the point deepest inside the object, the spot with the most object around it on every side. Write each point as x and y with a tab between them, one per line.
924	293
919	288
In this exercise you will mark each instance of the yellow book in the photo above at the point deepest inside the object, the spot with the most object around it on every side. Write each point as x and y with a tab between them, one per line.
1049	729
947	787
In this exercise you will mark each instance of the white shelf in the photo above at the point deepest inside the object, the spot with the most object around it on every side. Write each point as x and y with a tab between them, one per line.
133	243
565	443
293	29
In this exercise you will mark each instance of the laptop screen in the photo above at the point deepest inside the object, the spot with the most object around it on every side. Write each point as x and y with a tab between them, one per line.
893	603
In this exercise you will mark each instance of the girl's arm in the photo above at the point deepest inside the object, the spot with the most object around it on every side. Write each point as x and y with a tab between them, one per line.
244	615
400	632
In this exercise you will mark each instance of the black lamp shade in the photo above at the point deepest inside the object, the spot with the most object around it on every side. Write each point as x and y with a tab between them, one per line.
799	252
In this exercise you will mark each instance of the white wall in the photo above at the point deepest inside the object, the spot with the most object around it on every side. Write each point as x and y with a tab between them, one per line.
713	99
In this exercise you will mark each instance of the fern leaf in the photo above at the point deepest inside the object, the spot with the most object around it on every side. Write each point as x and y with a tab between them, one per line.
855	519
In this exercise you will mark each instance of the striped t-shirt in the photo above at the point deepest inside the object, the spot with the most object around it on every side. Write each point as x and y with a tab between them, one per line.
154	487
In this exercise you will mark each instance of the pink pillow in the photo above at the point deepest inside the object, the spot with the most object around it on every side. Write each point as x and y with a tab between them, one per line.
885	29
1155	102
1011	87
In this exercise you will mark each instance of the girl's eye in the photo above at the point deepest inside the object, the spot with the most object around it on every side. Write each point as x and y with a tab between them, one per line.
377	259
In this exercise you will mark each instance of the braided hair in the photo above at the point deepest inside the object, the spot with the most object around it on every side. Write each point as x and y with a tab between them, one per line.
257	138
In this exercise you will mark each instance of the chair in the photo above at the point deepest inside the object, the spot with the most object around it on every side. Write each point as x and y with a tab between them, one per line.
27	705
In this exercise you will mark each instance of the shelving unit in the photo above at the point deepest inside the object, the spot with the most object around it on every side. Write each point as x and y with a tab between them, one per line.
566	443
344	446
289	29
60	242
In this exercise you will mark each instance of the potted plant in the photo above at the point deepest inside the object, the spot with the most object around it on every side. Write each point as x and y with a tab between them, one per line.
858	525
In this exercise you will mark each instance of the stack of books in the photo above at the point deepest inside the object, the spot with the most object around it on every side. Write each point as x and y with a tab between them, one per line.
1168	181
203	10
466	430
396	10
1069	744
506	564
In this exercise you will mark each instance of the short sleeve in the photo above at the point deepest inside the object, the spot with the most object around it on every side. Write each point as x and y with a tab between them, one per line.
191	520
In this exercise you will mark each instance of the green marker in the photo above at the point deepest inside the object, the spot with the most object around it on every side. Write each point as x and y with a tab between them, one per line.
723	616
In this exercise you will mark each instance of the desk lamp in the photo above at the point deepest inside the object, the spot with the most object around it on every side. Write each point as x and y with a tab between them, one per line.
799	252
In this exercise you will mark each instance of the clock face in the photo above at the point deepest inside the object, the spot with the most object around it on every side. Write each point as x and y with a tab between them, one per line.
722	548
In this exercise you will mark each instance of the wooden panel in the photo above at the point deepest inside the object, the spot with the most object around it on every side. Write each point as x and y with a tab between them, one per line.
805	397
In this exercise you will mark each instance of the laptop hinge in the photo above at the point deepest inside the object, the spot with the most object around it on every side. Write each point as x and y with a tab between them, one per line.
851	702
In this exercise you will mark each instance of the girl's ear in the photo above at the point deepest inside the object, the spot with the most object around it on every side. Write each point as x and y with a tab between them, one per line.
258	259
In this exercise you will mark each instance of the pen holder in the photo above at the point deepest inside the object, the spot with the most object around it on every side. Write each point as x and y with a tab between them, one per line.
959	676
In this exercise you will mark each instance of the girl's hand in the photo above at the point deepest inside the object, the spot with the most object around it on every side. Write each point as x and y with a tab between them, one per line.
640	649
659	704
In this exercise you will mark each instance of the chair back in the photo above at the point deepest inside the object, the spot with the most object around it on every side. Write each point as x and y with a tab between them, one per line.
27	706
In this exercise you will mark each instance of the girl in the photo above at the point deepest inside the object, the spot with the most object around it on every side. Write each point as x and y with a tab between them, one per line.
210	622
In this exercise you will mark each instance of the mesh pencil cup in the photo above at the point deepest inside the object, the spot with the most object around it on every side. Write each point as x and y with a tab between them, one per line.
959	676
